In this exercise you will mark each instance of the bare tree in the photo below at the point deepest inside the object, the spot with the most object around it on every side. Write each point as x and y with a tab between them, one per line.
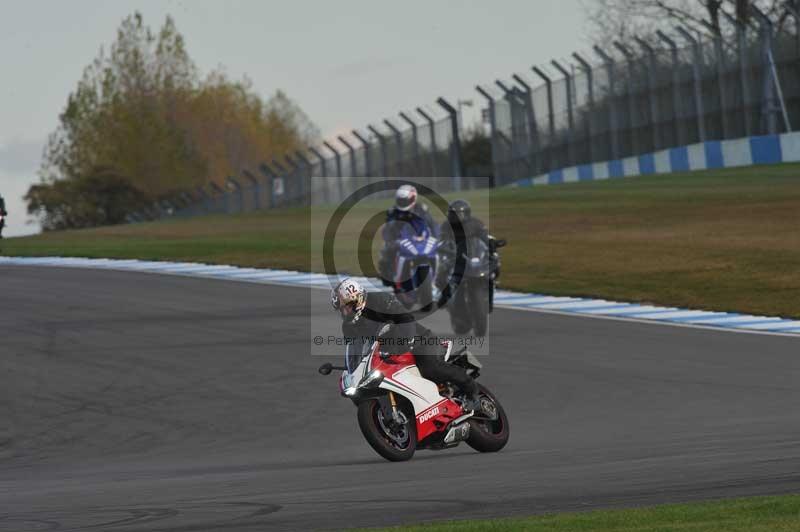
621	19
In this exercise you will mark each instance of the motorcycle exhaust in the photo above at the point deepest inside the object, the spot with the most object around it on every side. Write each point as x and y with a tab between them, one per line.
457	433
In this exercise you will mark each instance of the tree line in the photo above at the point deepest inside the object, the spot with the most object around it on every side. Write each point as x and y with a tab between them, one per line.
143	126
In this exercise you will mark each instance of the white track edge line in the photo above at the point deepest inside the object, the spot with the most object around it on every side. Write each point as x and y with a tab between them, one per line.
721	329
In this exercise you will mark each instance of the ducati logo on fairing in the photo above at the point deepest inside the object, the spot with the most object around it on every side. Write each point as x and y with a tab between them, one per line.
429	414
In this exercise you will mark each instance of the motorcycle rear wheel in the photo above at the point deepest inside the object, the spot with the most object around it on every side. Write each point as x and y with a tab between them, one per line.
489	436
394	445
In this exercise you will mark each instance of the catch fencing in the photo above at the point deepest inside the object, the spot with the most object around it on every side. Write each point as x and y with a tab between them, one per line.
645	96
625	100
424	142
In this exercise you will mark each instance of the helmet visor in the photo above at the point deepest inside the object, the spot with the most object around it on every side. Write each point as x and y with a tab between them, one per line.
406	202
347	310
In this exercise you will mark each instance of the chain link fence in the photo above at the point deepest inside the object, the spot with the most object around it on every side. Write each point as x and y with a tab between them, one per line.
420	143
624	100
641	97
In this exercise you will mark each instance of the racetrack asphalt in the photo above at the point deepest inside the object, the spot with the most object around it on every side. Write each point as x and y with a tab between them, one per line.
140	402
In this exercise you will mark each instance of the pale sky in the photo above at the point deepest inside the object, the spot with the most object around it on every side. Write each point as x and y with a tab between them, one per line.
346	63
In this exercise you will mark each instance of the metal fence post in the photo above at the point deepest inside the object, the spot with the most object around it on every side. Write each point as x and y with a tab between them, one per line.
533	128
323	167
455	143
698	87
352	154
369	170
305	179
353	161
415	140
256	189
519	153
651	91
189	203
269	173
769	106
398	138
338	158
384	157
570	112
204	198
613	119
281	180
719	54
294	174
236	187
632	133
551	116
493	134
219	197
792	7
434	149
587	68
677	106
741	50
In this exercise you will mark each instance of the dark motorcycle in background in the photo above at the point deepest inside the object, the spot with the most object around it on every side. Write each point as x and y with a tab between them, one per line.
473	297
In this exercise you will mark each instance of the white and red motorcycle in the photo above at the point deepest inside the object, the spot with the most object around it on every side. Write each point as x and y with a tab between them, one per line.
399	411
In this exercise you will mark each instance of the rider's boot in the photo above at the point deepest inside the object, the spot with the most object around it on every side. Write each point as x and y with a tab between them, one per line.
472	399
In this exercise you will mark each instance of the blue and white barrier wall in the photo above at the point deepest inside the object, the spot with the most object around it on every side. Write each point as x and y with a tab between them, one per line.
769	149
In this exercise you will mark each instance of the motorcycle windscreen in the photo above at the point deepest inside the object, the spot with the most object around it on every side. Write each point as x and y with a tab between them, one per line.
355	352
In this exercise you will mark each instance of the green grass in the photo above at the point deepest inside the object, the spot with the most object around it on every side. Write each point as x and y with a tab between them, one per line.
722	240
762	514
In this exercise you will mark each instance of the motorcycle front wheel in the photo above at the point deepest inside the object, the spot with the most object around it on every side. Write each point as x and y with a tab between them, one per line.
394	441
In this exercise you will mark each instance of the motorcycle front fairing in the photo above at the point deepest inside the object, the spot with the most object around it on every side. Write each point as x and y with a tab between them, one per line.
417	252
399	374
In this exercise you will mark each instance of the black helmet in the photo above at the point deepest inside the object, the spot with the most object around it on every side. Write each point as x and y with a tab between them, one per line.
459	210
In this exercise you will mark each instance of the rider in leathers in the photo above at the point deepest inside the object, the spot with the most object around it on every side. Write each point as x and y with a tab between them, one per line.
459	214
364	315
405	210
2	213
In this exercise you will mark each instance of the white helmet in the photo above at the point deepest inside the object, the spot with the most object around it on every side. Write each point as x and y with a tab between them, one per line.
349	298
405	198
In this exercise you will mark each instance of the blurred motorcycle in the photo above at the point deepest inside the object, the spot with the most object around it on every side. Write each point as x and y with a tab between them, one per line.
473	289
414	266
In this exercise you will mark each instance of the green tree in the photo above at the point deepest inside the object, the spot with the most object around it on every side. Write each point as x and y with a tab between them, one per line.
142	111
101	197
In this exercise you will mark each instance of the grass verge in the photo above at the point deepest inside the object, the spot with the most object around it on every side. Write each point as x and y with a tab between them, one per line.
761	514
722	239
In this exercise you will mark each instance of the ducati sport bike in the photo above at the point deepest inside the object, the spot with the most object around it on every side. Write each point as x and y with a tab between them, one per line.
399	411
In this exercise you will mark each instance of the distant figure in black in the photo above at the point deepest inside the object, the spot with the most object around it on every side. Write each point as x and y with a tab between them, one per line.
3	215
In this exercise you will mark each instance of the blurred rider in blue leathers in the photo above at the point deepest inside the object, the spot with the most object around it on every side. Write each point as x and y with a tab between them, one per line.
406	210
